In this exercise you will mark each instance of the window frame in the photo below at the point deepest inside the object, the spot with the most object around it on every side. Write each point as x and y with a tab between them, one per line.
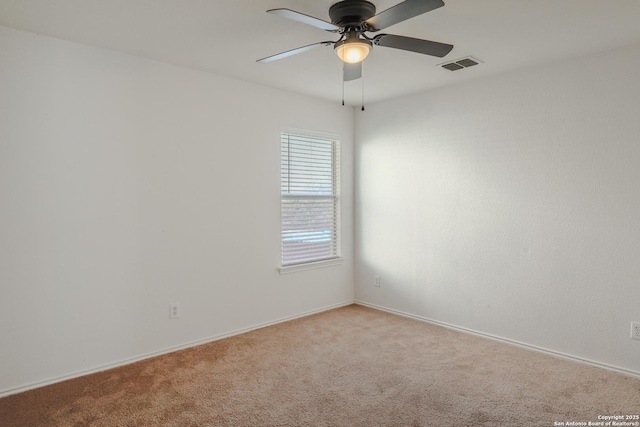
334	258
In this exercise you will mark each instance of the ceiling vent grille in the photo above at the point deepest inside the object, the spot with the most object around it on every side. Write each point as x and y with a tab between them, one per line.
459	64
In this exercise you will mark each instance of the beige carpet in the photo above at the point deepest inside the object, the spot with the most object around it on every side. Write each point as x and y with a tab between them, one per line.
347	367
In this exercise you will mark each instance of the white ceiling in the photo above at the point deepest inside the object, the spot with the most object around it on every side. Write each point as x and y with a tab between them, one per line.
227	36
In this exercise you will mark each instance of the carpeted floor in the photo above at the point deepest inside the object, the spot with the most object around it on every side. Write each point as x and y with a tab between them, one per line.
351	366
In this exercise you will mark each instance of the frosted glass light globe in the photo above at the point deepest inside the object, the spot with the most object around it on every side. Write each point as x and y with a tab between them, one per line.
353	50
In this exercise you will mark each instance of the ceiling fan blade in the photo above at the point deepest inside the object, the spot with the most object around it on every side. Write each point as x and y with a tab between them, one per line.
292	52
426	47
305	19
352	71
401	12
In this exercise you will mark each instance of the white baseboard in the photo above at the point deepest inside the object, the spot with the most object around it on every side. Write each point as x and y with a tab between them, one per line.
30	386
504	340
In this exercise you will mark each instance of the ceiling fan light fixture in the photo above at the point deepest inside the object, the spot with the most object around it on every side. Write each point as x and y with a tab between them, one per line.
353	50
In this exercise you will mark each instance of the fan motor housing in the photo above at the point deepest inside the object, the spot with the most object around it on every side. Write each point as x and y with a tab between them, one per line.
351	13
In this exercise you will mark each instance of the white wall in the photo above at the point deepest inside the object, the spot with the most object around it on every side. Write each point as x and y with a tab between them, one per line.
510	206
127	185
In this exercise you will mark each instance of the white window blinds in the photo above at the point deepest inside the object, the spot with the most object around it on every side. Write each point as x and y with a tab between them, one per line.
309	198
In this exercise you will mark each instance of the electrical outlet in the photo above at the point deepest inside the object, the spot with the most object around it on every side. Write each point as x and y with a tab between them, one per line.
174	311
635	330
376	281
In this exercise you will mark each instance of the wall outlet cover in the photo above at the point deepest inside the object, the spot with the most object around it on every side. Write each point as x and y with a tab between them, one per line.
635	330
174	311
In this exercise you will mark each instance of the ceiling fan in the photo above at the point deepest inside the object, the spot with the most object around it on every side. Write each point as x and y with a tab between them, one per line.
352	19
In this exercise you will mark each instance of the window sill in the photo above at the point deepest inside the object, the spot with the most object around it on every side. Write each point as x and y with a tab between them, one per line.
310	265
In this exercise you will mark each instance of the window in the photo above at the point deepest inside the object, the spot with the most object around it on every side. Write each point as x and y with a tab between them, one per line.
310	206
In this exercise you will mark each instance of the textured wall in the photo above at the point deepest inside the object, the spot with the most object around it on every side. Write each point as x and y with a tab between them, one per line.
127	185
510	206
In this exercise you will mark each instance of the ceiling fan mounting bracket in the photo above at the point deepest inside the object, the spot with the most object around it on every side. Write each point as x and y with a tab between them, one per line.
351	13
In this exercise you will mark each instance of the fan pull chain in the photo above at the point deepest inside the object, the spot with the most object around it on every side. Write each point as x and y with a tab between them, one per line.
343	84
362	81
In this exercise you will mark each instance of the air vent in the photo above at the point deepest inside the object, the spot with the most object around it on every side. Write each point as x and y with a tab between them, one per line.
452	66
459	64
